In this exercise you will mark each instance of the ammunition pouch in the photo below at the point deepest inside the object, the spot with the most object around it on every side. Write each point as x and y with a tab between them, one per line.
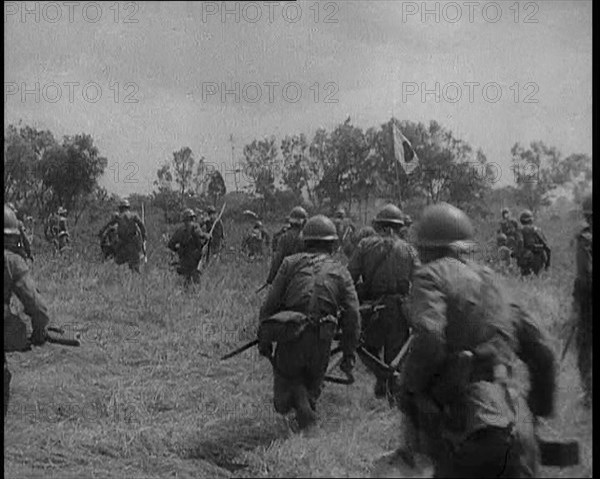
15	332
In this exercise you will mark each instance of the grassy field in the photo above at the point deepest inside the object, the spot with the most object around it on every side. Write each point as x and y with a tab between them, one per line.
146	396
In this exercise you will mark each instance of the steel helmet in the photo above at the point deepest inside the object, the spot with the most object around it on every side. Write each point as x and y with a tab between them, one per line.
61	210
124	204
188	214
298	215
11	224
444	225
320	228
258	224
501	239
586	205
211	209
526	217
390	214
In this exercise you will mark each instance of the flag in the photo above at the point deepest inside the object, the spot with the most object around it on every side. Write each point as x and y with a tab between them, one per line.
404	153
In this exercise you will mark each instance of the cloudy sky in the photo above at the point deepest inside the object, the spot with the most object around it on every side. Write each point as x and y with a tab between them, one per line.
155	73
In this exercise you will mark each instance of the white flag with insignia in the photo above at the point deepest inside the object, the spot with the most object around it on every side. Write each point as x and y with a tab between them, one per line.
404	153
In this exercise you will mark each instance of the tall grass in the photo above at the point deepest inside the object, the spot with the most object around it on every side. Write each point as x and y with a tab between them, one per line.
147	397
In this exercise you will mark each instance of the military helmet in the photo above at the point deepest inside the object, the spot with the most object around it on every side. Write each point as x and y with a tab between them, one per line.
298	215
444	225
407	220
11	224
61	210
586	205
340	212
258	224
211	209
501	239
390	214
526	217
319	228
504	210
188	214
124	204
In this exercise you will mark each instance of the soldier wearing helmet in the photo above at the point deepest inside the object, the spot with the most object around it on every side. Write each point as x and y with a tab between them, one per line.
188	241
345	231
131	236
255	240
217	241
289	243
457	386
385	264
18	281
300	315
509	227
534	252
582	301
405	228
63	236
24	237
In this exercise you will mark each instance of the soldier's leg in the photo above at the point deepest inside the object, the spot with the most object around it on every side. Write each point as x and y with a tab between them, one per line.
318	363
7	377
282	394
584	349
286	376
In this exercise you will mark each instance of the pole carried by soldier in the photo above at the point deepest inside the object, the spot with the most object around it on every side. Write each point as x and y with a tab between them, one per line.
204	258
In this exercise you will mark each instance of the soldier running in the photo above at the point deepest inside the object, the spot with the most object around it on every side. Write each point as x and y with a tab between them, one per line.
131	234
385	263
308	292
345	231
534	252
188	241
217	241
458	386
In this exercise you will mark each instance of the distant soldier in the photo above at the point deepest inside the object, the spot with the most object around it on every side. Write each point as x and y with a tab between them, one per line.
385	263
300	315
188	241
582	302
345	231
509	227
459	386
255	240
534	252
504	259
131	234
217	241
18	281
405	229
289	243
23	236
110	240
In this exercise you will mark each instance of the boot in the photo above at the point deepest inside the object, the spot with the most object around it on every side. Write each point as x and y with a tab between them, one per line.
305	414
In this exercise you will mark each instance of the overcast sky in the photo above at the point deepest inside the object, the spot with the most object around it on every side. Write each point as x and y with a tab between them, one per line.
152	61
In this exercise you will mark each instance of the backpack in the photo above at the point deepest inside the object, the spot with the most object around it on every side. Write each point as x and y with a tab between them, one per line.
127	227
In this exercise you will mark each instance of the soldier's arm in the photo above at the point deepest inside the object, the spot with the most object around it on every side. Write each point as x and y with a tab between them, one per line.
25	289
274	297
175	240
141	226
533	348
354	265
113	221
350	316
428	320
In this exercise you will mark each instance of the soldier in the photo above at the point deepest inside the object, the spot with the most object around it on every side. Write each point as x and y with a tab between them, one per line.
457	386
504	252
187	242
217	241
345	231
404	230
23	236
385	263
253	243
289	243
582	302
313	288
131	234
510	228
534	250
18	281
278	234
64	238
109	240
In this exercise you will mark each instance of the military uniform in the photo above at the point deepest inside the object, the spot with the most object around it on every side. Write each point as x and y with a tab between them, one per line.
278	234
386	266
582	304
188	241
319	286
345	231
534	250
457	385
289	243
18	281
131	234
254	241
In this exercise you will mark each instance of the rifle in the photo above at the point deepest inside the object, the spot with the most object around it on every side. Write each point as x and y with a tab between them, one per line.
205	247
239	350
261	288
568	341
50	338
349	379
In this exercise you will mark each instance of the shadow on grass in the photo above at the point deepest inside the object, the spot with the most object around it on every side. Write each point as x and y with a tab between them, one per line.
222	443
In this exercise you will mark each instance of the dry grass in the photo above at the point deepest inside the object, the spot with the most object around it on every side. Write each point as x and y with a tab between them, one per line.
146	396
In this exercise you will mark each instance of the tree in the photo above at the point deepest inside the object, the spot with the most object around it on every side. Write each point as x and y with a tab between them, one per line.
216	186
259	164
183	165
